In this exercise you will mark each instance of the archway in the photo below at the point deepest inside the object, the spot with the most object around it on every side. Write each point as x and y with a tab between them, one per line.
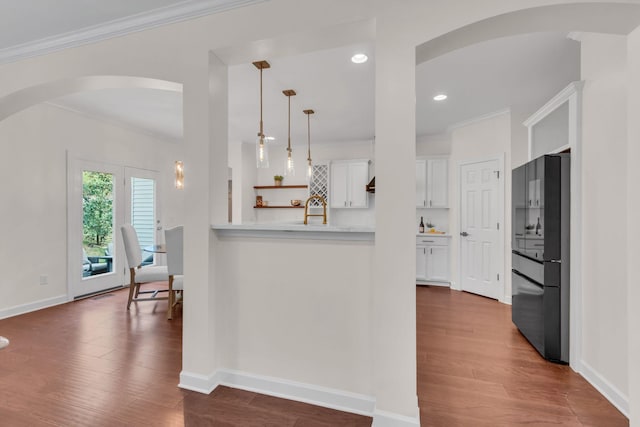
605	18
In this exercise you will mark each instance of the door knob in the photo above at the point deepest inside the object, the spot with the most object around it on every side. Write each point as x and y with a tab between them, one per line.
464	234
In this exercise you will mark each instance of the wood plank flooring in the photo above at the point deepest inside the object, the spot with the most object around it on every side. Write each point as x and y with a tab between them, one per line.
93	363
476	369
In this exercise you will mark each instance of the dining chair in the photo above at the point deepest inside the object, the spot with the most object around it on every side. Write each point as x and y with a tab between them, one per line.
141	274
174	245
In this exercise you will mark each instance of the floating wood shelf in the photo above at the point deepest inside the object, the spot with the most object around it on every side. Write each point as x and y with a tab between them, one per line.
278	207
275	187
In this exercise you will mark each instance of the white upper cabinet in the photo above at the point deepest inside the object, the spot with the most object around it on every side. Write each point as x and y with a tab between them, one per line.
348	184
437	183
432	178
421	183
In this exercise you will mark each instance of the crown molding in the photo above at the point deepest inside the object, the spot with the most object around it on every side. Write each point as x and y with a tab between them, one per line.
118	27
477	119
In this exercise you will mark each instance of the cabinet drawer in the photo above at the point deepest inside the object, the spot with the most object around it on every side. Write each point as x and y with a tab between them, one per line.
432	241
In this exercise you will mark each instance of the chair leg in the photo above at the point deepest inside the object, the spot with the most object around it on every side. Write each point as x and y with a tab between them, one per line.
132	286
170	299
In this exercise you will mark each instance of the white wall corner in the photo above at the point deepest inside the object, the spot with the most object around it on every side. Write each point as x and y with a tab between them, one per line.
608	390
301	392
390	419
33	306
199	383
506	299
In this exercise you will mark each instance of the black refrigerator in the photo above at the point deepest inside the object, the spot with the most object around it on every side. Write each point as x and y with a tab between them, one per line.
540	254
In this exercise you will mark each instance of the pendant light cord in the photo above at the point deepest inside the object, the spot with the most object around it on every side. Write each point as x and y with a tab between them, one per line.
309	136
289	145
261	123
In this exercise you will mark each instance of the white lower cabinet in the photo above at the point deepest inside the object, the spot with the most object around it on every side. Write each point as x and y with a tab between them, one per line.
432	258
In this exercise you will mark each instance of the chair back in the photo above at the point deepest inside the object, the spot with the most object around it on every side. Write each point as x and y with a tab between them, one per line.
131	245
173	241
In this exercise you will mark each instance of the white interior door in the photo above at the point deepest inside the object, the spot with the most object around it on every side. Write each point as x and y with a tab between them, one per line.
480	222
95	212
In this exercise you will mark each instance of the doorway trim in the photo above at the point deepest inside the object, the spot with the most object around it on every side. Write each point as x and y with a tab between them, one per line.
500	264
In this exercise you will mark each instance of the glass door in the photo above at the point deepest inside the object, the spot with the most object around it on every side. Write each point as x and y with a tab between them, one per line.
94	218
141	211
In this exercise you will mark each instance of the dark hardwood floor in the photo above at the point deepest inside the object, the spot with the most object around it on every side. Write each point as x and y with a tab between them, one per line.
92	363
476	369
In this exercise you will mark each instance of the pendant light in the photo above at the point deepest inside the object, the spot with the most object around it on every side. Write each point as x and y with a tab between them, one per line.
262	152
289	170
309	164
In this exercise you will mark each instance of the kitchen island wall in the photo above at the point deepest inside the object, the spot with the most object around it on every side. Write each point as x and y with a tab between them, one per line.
303	313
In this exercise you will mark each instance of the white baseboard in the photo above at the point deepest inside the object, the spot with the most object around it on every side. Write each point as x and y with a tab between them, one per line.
33	306
608	390
506	299
431	283
301	392
200	383
390	419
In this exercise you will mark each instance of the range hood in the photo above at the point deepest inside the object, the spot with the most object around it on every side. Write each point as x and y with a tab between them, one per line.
371	186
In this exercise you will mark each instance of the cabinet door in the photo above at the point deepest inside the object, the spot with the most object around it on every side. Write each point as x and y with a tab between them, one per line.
438	263
421	183
421	262
339	189
358	180
437	183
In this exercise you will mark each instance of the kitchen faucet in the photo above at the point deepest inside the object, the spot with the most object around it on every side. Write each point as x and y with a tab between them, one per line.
324	209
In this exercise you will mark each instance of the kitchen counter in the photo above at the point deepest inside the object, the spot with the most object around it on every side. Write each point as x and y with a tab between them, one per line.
433	235
296	231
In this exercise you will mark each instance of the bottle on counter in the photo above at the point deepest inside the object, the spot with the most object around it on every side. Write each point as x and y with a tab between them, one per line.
538	227
421	227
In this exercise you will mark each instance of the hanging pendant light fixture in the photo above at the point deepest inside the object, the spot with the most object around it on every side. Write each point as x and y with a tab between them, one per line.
309	163
262	152
289	169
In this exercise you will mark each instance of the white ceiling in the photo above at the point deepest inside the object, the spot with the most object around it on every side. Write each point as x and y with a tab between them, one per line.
35	27
521	72
151	111
340	92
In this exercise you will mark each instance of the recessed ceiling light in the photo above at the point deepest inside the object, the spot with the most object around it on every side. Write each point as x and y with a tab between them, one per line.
359	58
440	97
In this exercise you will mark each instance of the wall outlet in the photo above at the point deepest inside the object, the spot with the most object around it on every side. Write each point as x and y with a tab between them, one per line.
44	279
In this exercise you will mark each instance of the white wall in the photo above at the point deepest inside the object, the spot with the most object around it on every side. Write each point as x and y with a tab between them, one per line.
34	208
604	183
298	310
433	145
633	211
481	140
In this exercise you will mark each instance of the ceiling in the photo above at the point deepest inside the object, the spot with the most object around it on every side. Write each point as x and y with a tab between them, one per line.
520	72
36	27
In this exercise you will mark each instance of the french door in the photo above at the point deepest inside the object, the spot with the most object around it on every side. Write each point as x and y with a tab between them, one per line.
100	198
